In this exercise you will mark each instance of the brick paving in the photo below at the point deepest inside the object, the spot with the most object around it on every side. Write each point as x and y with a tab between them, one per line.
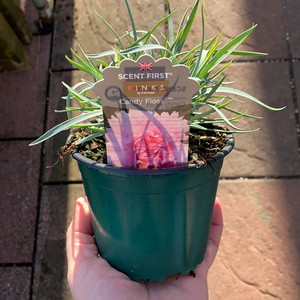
260	250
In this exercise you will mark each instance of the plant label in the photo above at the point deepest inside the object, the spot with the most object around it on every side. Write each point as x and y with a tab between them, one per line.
146	108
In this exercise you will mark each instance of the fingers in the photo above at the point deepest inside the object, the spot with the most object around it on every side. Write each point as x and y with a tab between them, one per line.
214	235
80	230
217	218
80	242
82	219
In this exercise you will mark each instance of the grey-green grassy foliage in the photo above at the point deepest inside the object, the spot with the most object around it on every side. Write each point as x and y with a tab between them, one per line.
201	60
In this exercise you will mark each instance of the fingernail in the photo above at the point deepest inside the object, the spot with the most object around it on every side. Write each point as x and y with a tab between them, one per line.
81	200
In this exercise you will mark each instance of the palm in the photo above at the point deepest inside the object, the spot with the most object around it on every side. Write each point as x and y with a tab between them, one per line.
92	278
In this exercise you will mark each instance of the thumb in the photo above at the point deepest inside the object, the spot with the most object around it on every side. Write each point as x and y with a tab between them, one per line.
80	242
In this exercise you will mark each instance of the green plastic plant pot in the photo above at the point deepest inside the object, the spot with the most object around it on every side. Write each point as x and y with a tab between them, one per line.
150	224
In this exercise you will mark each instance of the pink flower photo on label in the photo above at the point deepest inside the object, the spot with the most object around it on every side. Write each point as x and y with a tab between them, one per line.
147	140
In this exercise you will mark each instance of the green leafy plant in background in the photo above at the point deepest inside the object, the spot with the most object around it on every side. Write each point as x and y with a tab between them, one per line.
202	61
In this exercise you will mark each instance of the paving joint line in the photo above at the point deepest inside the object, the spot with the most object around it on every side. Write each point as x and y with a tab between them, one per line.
262	61
63	70
18	139
62	182
289	177
292	74
19	265
42	162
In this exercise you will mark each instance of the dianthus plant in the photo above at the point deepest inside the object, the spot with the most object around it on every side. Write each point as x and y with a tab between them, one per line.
202	61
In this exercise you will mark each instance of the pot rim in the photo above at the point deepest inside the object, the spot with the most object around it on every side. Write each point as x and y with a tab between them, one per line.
110	169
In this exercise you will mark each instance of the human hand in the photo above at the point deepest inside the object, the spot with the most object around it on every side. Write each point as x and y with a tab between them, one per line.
91	277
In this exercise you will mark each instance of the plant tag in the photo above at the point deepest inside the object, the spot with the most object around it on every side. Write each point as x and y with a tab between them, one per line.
146	108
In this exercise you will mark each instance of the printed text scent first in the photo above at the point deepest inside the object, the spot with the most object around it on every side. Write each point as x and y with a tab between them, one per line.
139	76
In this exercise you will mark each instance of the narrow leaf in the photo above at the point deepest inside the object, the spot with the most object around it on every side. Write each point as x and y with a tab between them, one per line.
149	33
248	53
88	138
243	94
170	25
219	72
199	59
117	55
86	58
178	46
103	63
79	66
112	30
226	51
180	27
220	130
129	50
64	126
238	113
214	89
223	117
72	91
68	103
83	64
132	21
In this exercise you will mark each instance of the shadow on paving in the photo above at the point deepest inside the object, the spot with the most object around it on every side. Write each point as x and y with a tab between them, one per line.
56	170
56	213
57	203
